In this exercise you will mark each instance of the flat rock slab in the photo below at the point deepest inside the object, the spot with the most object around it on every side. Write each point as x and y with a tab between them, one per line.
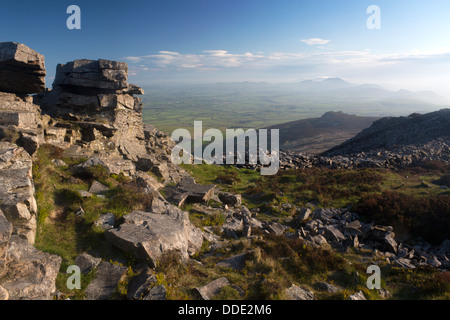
208	291
189	191
149	235
22	70
105	282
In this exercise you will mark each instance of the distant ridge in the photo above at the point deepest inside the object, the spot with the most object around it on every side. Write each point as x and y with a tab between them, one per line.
316	135
389	132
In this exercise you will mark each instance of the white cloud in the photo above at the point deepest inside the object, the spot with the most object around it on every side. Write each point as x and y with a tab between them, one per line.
315	41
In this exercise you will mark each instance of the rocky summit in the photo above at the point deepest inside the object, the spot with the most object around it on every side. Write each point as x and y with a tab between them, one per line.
83	182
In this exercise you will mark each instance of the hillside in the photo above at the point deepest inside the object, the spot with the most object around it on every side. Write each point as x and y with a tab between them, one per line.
316	135
391	132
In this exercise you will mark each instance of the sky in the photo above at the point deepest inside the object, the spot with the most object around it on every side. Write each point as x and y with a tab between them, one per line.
199	41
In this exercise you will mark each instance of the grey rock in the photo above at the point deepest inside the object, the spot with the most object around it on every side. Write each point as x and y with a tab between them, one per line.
434	262
156	293
104	285
98	188
230	199
297	293
404	263
59	163
323	286
17	190
304	214
140	285
275	228
331	233
113	166
86	262
105	221
189	191
207	292
236	262
84	194
6	229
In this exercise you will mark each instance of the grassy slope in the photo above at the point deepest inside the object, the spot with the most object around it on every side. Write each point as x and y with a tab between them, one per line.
274	263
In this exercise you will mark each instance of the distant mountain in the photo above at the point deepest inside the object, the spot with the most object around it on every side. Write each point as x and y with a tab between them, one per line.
262	104
386	133
316	135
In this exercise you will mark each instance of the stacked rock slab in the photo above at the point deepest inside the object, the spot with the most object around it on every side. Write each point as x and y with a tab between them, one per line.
22	72
25	272
17	190
95	97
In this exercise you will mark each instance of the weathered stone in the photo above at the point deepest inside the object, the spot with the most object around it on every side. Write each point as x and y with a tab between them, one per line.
113	166
434	262
149	183
148	235
404	263
323	286
105	221
297	293
98	188
207	292
5	233
84	194
331	233
236	262
230	199
29	273
105	283
86	262
303	214
357	296
189	191
275	228
140	285
22	70
100	75
17	190
4	295
156	293
353	228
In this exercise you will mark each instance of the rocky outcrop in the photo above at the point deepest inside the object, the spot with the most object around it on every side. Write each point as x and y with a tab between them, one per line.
390	132
22	70
95	97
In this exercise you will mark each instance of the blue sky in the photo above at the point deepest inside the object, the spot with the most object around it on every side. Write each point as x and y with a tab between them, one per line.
244	40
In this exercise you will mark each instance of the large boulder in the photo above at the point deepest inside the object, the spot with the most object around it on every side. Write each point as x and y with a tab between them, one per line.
29	274
107	278
22	70
150	235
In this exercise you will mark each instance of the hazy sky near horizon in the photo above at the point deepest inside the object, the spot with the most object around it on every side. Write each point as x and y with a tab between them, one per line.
192	41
